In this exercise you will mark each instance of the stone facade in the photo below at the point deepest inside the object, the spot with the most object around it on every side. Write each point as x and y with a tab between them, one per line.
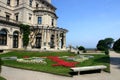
40	15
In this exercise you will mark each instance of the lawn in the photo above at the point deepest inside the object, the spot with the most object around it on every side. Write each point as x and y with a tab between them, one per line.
99	59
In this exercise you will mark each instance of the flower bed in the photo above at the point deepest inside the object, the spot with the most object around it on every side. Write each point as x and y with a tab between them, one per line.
80	58
9	58
32	60
61	62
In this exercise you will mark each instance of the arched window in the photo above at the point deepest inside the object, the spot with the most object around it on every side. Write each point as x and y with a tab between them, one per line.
15	39
3	37
38	40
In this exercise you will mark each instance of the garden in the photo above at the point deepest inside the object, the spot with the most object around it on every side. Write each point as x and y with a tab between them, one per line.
58	63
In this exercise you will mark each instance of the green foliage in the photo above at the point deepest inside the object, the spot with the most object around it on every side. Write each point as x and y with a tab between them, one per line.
106	51
1	78
105	44
0	64
109	42
101	45
84	51
81	48
116	46
25	29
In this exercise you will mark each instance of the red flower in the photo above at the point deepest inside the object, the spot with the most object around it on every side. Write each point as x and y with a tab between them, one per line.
25	56
61	62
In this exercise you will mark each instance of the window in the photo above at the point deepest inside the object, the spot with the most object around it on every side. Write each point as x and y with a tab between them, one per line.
38	40
16	17
7	17
52	41
15	39
17	2
37	5
8	2
3	37
52	22
30	16
30	3
39	20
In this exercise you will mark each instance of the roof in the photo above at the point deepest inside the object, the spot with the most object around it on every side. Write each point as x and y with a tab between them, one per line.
49	4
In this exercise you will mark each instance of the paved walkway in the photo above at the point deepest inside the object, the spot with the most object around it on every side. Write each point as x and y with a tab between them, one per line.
19	74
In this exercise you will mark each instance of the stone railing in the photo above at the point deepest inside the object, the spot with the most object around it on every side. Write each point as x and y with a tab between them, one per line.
9	20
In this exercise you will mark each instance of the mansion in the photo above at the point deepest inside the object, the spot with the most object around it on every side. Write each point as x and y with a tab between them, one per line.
40	16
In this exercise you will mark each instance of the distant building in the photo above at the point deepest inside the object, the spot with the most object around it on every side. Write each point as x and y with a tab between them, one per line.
40	15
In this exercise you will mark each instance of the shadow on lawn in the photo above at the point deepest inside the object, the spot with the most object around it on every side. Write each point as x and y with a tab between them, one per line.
102	60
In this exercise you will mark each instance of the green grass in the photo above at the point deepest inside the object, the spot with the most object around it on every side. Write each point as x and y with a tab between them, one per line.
1	78
99	59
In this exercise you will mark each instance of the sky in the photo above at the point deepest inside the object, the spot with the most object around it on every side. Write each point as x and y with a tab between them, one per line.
88	21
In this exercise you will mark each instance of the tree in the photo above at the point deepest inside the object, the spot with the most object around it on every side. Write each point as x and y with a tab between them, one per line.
105	44
101	45
116	46
81	48
109	42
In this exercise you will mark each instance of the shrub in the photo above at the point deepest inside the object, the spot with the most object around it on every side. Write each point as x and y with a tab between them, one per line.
81	48
0	64
84	51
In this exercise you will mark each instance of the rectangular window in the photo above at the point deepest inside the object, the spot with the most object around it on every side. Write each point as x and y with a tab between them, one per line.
16	17
52	22
30	16
17	2
7	17
30	3
39	20
37	5
8	2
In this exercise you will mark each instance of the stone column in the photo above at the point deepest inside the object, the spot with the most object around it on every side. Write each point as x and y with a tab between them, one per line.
55	39
42	44
47	39
29	45
10	41
59	40
64	41
20	41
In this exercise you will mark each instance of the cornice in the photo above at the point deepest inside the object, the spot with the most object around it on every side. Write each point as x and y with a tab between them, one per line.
42	12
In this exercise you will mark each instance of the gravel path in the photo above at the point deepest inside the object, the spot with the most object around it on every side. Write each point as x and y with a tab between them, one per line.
19	74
